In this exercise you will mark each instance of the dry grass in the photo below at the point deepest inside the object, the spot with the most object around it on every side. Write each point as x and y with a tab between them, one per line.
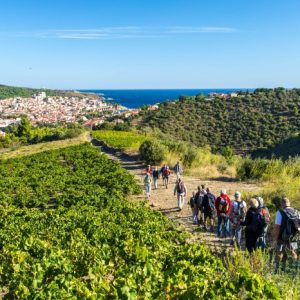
32	149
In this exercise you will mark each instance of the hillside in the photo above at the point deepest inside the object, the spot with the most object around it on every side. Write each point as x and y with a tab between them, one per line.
246	123
12	91
288	148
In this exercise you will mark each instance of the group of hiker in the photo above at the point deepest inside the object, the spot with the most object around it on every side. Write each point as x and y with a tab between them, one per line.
152	175
234	215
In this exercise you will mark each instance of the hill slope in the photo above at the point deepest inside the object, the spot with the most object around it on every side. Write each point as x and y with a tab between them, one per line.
12	91
288	148
246	123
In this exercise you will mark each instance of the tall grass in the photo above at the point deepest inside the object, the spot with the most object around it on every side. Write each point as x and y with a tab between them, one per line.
281	178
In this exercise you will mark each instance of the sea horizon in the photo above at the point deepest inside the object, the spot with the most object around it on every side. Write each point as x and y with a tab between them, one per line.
135	98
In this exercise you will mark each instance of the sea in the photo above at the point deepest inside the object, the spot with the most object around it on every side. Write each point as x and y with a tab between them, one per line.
138	98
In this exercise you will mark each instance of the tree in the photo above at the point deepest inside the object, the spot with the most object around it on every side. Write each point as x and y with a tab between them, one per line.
24	128
152	152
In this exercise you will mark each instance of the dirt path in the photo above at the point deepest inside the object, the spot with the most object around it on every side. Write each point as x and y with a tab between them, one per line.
165	201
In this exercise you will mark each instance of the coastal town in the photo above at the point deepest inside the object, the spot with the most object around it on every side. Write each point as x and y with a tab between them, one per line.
89	110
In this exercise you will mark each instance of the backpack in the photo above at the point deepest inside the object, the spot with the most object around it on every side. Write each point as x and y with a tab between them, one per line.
180	188
211	201
166	172
223	206
291	224
258	223
199	199
266	215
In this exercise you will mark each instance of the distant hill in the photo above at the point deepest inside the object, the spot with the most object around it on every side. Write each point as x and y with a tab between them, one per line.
248	122
12	91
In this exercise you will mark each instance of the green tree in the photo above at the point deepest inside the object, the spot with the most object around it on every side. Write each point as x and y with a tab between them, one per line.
152	152
24	128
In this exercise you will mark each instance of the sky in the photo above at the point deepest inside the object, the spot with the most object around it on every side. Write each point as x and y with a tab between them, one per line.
148	44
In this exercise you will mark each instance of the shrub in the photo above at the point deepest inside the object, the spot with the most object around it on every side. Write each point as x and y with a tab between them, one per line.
252	169
152	152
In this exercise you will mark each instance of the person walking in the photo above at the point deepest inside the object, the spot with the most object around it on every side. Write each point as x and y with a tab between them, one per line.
286	232
178	170
263	210
223	207
147	184
165	175
193	204
181	191
237	215
198	205
208	205
155	175
254	223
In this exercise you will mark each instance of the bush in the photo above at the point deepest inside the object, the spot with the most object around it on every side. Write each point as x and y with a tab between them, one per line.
152	152
252	169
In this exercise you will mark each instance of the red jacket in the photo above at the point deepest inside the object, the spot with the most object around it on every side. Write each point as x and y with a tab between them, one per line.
223	208
147	170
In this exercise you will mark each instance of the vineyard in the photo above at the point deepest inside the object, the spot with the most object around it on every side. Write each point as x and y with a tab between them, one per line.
125	140
68	231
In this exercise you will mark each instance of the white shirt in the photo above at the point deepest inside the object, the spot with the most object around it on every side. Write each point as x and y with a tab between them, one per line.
278	218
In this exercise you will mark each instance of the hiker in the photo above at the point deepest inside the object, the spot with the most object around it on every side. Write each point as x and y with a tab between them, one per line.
199	199
254	223
181	191
237	215
223	206
208	204
193	204
147	184
155	175
286	232
263	210
178	170
165	175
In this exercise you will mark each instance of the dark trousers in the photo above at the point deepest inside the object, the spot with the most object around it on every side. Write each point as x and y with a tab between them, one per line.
251	239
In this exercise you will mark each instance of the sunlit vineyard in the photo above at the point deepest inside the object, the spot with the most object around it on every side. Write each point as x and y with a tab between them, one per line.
67	231
125	140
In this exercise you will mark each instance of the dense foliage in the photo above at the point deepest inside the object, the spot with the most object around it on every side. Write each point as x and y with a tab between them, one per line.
250	121
23	134
96	245
288	148
152	152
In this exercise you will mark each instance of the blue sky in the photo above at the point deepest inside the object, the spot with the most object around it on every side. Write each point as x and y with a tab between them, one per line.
77	44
